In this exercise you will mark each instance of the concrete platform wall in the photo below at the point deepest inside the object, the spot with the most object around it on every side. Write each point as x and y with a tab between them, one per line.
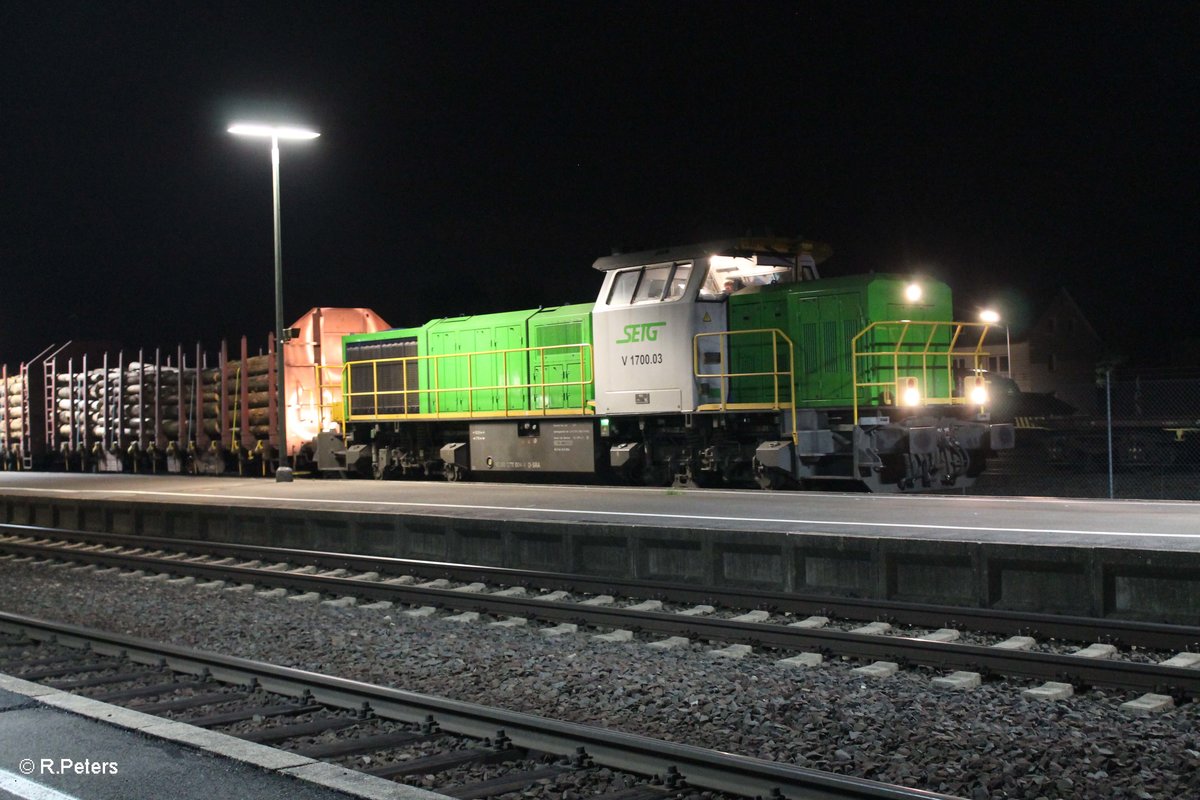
1087	581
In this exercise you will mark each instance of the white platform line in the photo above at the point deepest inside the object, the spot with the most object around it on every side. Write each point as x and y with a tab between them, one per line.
642	514
21	786
765	497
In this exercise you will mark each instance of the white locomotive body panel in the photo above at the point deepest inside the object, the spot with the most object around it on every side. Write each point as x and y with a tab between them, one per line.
643	325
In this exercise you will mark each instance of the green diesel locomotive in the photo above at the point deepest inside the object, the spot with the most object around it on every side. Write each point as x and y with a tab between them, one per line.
727	363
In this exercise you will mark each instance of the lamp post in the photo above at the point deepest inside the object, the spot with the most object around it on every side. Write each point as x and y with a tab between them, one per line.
992	317
283	472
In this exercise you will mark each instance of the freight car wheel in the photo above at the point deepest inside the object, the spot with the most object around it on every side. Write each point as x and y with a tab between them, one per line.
454	472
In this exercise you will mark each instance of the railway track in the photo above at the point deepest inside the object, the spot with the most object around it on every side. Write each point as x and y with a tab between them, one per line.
363	579
476	751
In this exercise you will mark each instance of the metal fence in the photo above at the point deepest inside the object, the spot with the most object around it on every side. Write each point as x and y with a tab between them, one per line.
1140	439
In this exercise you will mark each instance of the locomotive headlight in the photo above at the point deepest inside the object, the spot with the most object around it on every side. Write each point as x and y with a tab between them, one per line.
979	392
911	396
913	293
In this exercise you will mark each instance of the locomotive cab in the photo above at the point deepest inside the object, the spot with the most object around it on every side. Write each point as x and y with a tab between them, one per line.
659	312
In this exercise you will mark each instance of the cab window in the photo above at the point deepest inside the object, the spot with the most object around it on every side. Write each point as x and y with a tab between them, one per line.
623	287
678	281
652	284
733	274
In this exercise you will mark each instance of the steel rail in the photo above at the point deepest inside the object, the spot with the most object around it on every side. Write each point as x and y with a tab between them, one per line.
1152	635
700	767
1182	682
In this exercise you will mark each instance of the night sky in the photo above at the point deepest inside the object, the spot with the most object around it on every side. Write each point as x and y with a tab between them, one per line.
479	156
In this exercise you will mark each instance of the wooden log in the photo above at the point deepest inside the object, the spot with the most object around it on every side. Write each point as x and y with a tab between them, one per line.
257	400
256	364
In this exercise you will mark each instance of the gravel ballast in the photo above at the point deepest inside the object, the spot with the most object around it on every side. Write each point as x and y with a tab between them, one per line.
986	743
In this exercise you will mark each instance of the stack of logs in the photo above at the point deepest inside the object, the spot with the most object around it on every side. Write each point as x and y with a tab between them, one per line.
10	400
256	415
119	403
120	408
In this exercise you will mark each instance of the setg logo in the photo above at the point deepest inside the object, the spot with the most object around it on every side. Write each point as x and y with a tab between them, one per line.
645	332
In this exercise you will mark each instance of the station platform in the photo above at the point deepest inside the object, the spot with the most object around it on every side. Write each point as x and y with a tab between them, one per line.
59	746
1127	559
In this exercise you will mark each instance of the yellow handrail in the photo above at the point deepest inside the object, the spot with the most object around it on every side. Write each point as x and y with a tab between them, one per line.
435	392
325	410
924	349
775	373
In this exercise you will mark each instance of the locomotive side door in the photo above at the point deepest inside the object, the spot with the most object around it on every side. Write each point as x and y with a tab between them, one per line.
712	351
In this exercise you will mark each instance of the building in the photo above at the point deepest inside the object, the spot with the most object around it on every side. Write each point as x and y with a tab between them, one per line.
1056	355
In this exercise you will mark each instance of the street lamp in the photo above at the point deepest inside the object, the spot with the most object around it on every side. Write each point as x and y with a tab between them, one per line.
992	317
275	133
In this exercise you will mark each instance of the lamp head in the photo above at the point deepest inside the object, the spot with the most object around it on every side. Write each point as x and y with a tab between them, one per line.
271	131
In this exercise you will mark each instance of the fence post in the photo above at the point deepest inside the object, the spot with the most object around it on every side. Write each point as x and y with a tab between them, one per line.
1108	410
